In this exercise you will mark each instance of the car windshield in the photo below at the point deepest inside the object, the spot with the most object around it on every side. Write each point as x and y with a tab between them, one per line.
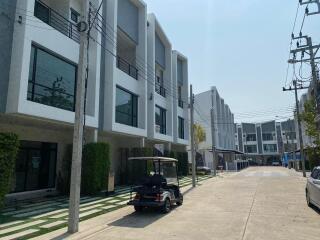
168	171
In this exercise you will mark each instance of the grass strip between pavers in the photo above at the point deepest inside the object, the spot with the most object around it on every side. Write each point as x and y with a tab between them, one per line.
103	203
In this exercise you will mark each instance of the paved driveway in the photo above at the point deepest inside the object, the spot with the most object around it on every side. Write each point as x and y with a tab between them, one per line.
257	203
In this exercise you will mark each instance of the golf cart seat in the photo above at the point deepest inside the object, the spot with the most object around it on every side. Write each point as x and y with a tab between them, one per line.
155	180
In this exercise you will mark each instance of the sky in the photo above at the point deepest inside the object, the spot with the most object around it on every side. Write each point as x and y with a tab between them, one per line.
241	47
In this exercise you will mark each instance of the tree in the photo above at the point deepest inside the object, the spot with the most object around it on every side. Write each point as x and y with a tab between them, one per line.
199	135
308	116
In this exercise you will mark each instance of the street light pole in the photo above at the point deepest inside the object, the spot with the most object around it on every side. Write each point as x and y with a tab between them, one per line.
75	182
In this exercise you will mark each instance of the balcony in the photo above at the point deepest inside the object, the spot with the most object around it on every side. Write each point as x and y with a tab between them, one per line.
160	90
126	67
56	20
180	103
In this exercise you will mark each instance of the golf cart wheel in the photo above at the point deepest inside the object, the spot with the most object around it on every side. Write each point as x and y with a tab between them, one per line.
166	208
138	208
180	201
308	199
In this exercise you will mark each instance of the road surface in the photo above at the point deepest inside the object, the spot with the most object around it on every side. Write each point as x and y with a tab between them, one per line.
258	203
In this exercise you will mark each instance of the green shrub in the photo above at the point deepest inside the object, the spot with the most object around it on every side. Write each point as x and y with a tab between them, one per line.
95	168
9	147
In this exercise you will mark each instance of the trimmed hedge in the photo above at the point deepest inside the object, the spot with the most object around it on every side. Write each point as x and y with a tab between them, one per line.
9	147
95	168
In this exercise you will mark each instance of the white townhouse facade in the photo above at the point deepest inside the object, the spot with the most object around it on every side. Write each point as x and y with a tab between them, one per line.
160	83
265	142
223	127
38	83
180	99
131	66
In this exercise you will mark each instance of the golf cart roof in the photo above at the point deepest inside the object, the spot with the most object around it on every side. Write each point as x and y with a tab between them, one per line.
161	159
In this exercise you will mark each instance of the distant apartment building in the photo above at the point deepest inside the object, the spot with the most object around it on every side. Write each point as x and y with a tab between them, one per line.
265	142
137	92
223	127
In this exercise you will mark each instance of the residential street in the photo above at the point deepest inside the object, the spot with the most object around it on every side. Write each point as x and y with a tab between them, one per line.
257	203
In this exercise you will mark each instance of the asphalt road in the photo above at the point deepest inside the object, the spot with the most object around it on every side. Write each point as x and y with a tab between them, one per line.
258	203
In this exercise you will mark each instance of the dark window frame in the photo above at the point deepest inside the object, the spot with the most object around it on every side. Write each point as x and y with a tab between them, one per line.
163	118
37	47
53	148
181	128
134	117
74	13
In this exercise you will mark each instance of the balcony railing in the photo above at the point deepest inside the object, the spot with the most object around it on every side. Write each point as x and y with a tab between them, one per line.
126	67
56	20
160	90
180	103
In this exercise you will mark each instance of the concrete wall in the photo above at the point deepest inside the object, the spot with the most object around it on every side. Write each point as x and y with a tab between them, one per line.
7	17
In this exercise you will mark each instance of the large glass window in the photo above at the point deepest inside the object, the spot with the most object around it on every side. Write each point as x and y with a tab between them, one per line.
51	80
270	148
161	120
267	136
181	127
35	166
126	108
250	148
251	137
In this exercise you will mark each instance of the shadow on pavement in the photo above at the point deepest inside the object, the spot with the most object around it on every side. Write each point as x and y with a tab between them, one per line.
139	220
317	210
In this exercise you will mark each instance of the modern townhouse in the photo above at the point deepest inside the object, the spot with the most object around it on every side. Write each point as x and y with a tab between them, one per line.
224	122
137	92
160	86
123	90
38	81
264	143
180	101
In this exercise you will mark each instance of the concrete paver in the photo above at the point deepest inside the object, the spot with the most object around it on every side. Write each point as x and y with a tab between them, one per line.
256	204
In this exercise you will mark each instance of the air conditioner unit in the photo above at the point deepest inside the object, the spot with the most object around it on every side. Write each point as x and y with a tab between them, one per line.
157	128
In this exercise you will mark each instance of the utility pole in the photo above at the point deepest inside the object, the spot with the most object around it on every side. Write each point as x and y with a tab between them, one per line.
75	182
193	160
213	136
295	88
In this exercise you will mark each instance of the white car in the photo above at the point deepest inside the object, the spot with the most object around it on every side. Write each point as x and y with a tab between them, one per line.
313	188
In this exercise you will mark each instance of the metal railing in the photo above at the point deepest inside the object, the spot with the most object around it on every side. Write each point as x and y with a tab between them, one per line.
160	90
126	67
56	20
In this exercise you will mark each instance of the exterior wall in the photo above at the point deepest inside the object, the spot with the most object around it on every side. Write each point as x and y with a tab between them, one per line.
111	76
154	98
7	16
178	111
37	32
278	130
224	133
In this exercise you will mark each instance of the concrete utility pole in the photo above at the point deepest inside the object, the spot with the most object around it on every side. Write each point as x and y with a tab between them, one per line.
213	136
75	182
300	131
193	159
295	88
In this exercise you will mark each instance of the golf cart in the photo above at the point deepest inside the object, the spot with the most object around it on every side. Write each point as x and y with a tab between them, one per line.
159	188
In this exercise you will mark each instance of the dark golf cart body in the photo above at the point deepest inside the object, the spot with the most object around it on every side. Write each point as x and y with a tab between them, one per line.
160	189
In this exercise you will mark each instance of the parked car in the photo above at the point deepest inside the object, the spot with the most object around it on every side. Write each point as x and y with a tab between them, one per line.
313	188
276	163
203	170
160	189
